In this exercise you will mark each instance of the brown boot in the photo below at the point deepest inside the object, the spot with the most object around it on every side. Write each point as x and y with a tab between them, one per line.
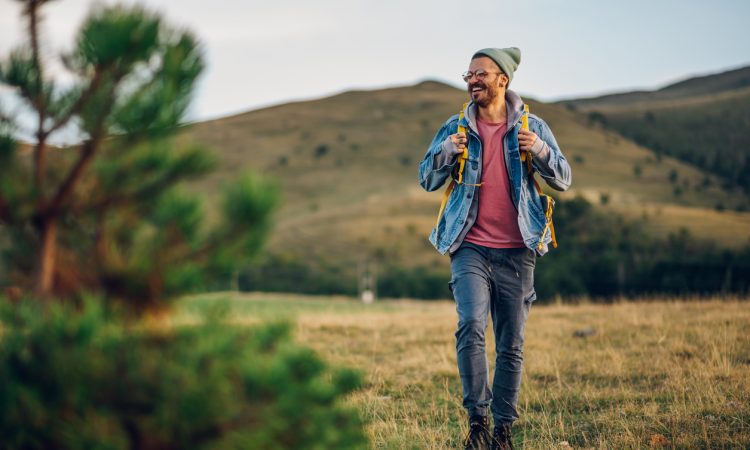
479	434
502	437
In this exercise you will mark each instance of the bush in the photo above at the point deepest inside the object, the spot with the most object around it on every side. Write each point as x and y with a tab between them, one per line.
417	282
83	379
288	273
321	150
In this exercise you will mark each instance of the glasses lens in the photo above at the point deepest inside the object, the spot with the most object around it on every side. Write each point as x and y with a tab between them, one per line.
480	74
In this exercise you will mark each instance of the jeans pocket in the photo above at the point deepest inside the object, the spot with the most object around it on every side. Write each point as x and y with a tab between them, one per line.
517	260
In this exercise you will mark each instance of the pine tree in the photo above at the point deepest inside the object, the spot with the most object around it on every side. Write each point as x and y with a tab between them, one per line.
111	213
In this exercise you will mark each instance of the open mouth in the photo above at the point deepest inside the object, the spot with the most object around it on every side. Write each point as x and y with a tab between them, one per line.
476	90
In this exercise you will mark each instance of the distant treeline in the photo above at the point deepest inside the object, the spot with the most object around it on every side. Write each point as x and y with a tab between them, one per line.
604	256
714	138
600	256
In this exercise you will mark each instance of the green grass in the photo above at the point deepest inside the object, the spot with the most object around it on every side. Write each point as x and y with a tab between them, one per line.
662	373
278	306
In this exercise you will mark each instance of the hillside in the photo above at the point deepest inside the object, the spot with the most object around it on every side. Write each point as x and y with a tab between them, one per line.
348	168
706	85
703	121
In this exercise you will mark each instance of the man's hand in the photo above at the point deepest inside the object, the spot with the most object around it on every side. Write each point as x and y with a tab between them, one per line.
459	142
526	140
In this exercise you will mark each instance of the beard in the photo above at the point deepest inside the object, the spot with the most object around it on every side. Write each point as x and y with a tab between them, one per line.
486	96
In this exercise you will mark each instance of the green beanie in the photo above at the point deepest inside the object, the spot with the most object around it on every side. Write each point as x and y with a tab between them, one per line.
506	58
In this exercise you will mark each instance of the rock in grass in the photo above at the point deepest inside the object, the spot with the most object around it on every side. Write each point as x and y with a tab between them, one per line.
584	332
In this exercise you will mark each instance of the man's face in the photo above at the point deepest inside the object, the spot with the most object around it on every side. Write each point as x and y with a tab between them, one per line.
484	91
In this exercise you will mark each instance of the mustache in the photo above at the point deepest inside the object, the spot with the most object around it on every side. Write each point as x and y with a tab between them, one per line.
479	85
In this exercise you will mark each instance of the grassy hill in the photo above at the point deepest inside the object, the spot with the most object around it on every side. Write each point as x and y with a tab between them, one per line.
703	121
707	85
348	168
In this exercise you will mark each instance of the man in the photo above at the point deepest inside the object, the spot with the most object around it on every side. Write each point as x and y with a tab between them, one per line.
493	226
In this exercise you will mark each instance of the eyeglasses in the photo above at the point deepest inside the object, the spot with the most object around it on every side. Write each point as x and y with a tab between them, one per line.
480	74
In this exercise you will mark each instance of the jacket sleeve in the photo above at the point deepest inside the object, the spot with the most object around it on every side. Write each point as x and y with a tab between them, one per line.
438	162
554	169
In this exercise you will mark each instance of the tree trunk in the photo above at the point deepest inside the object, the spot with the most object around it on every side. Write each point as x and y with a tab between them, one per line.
46	266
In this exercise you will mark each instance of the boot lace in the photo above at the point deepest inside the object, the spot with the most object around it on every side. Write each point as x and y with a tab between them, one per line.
475	439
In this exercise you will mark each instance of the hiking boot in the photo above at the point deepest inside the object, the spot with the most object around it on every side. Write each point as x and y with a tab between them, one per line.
479	434
502	437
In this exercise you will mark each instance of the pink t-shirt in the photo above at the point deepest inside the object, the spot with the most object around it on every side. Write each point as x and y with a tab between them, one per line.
497	218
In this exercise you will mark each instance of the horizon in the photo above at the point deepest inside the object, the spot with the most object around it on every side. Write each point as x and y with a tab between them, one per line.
564	98
66	138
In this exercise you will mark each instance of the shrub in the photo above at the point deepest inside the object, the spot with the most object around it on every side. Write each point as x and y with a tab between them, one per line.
417	282
84	379
595	117
288	273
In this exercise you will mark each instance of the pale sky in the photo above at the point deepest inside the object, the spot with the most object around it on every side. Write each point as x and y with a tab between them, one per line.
262	53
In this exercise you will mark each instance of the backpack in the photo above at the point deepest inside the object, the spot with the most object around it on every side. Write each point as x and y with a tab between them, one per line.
548	203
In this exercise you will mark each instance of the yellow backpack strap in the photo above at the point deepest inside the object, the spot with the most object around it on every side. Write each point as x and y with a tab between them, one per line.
465	155
548	213
525	126
461	164
527	157
549	225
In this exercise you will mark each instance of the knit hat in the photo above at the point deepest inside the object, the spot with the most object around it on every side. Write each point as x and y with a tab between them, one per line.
507	59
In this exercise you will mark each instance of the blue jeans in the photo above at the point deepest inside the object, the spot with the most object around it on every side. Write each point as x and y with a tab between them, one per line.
499	282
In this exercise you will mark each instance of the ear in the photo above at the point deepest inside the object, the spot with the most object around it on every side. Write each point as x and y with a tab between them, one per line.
503	80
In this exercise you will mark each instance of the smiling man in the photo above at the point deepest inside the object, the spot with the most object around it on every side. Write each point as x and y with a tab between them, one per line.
493	227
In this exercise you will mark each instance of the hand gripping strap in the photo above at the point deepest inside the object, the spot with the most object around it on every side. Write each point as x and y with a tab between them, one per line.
459	177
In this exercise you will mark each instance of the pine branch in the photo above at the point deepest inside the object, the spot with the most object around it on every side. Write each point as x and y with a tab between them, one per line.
146	192
80	102
212	246
88	150
64	119
32	8
40	148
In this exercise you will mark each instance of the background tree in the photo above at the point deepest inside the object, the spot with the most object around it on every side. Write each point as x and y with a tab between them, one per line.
111	213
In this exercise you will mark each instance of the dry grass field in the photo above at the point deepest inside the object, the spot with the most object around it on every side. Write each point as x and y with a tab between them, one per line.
655	374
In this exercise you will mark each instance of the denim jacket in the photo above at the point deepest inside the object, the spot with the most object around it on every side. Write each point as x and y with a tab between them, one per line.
461	210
